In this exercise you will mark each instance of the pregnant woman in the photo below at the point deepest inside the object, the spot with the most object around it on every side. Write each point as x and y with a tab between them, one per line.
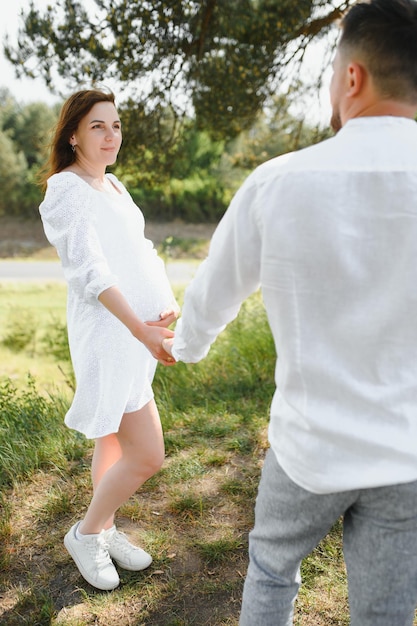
119	308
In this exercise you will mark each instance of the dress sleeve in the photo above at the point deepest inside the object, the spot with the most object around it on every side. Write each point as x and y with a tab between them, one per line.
68	220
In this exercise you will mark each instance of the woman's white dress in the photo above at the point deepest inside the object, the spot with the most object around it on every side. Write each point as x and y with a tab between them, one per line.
100	240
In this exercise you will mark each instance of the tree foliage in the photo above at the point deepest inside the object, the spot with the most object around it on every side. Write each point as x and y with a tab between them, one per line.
217	61
24	135
12	174
207	172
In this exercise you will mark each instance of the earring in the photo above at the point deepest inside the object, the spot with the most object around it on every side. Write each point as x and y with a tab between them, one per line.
72	147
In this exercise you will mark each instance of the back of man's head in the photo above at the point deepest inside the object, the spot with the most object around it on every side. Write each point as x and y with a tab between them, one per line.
382	34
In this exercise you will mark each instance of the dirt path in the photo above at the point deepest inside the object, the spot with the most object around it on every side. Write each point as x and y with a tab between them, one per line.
25	238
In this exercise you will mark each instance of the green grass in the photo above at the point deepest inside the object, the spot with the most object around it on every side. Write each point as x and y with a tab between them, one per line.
193	516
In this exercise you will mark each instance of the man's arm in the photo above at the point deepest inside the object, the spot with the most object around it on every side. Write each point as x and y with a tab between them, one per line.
229	274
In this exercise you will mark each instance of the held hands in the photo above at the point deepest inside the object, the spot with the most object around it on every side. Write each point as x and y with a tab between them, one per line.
151	334
157	333
152	337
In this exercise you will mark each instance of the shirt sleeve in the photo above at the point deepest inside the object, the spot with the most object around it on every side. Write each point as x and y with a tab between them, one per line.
230	273
68	220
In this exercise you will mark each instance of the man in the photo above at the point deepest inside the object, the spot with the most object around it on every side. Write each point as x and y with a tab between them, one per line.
329	233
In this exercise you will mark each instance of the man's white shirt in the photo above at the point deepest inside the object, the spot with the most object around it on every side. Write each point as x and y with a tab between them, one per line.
329	234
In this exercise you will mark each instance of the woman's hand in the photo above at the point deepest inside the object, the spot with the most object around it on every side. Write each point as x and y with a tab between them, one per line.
152	336
154	340
166	318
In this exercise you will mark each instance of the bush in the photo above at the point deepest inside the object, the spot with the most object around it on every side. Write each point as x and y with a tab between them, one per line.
56	341
20	330
193	200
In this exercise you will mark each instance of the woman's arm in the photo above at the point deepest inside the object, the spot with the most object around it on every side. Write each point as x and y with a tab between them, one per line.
150	335
66	212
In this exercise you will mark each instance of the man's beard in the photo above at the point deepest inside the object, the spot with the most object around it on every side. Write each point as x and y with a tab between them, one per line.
335	121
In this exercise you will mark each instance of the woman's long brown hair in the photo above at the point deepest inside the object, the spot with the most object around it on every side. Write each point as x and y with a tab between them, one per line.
73	110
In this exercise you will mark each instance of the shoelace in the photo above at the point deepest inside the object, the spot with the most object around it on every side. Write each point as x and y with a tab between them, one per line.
120	541
99	551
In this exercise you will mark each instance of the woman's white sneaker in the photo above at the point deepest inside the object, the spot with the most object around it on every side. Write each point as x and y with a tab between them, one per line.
126	555
91	556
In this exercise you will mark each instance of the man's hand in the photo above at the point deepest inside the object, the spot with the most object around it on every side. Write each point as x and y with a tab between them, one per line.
167	344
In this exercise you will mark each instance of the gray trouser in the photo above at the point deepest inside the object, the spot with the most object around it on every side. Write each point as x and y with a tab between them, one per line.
379	543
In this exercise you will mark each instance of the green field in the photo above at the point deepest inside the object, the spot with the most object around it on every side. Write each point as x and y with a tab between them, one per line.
29	316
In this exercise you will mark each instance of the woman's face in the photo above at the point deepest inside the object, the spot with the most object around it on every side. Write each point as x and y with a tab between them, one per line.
99	136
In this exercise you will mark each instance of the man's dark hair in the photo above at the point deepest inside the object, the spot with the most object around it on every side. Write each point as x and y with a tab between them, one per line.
383	33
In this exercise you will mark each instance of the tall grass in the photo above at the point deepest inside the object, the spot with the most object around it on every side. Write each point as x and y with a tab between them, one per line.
32	434
233	385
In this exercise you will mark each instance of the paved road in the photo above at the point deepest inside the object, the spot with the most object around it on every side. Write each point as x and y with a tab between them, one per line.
179	272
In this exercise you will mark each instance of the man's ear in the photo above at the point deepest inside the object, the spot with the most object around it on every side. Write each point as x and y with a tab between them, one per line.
356	76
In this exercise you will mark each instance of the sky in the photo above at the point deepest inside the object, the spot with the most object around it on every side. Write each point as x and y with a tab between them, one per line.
23	89
27	90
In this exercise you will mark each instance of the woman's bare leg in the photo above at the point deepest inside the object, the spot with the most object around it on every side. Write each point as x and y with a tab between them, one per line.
135	455
107	452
